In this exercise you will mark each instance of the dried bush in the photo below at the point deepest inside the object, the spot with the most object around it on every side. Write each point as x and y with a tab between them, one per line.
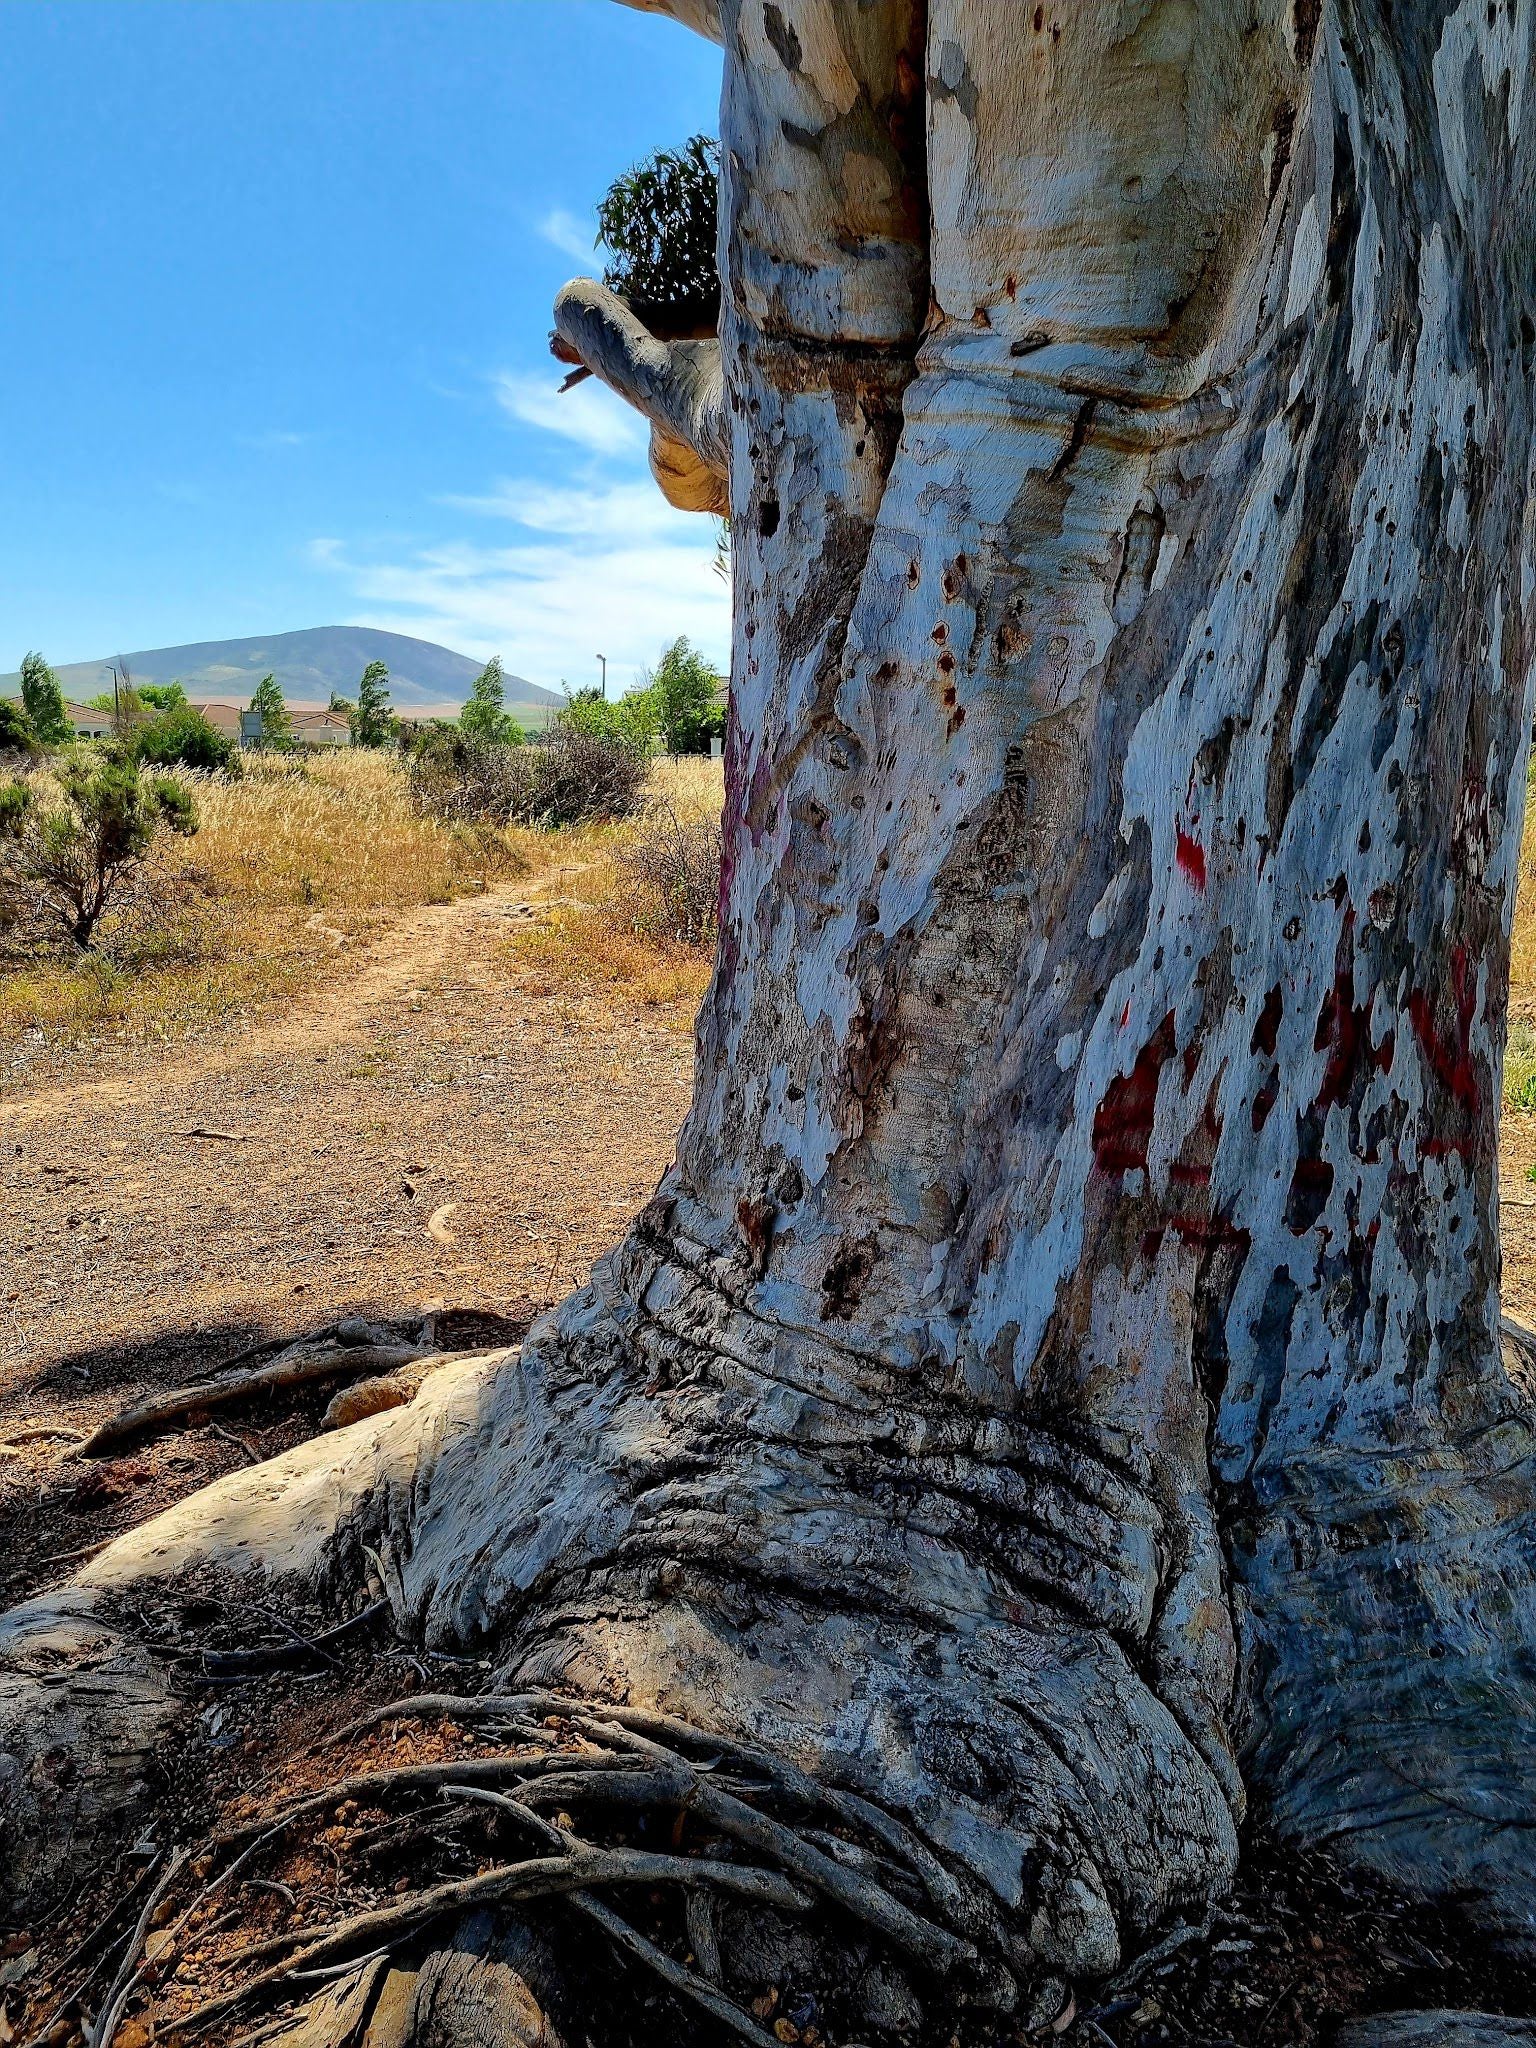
673	865
462	780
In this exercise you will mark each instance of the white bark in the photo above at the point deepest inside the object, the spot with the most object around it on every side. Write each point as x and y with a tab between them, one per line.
1059	1379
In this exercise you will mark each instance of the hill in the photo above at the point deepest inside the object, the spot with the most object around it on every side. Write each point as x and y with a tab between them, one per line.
310	664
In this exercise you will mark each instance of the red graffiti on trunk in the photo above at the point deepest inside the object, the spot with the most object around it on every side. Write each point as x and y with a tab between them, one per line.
1191	856
1122	1123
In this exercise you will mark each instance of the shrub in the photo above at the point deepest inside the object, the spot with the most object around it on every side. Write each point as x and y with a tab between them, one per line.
62	868
631	722
576	777
16	734
179	738
461	779
673	865
570	778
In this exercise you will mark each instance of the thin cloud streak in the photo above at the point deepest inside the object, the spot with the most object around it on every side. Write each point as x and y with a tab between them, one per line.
589	414
571	236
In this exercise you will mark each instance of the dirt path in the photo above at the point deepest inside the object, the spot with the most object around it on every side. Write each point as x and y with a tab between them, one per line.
426	1076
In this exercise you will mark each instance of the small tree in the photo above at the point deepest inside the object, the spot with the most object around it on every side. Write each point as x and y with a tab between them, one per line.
163	696
65	866
371	720
43	701
685	693
631	722
276	725
485	717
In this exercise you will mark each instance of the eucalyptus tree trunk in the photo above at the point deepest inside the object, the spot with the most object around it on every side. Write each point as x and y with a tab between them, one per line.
1058	1389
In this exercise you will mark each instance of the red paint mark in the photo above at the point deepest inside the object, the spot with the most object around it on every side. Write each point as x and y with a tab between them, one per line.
1191	857
1125	1016
1454	1070
1122	1123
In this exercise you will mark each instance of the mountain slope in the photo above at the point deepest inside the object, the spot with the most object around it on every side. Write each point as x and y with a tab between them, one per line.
307	664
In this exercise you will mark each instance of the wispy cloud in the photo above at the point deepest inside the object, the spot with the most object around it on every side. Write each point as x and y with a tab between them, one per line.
549	609
589	414
571	236
592	509
271	438
576	554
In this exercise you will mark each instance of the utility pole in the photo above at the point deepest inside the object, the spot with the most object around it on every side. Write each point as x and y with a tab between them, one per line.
604	660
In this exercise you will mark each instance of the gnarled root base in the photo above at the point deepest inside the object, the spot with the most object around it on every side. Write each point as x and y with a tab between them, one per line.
979	1798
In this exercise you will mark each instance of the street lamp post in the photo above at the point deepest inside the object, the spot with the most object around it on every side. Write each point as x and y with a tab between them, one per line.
604	661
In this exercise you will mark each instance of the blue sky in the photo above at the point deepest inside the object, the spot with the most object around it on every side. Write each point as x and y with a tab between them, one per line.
275	286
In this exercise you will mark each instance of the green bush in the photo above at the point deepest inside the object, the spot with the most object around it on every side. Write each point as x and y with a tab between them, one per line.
16	734
62	867
180	738
630	723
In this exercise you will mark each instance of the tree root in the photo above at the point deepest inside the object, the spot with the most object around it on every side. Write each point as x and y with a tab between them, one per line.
296	1368
595	1756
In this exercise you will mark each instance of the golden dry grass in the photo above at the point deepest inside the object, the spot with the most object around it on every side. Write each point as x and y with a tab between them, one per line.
292	863
591	944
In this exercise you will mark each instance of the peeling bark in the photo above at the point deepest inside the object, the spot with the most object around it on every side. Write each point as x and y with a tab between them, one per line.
1058	1386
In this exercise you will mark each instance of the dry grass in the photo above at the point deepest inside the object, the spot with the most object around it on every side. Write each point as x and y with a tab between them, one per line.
292	865
599	942
1520	1054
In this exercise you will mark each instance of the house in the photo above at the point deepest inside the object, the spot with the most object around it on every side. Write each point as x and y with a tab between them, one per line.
87	724
223	717
321	729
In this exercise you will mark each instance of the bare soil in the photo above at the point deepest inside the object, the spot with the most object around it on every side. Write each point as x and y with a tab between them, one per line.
424	1132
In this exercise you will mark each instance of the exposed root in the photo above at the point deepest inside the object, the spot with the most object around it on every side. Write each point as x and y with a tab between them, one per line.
570	1755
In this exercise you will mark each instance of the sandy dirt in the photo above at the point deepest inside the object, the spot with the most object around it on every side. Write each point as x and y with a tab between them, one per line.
425	1081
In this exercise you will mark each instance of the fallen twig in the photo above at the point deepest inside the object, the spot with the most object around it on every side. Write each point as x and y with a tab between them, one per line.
682	1980
122	1986
252	1455
39	1432
208	1131
224	1664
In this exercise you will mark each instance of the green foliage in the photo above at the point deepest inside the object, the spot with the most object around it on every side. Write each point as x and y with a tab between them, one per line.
276	725
140	697
162	696
659	221
43	702
16	734
631	722
485	716
340	703
62	867
371	720
685	697
180	738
